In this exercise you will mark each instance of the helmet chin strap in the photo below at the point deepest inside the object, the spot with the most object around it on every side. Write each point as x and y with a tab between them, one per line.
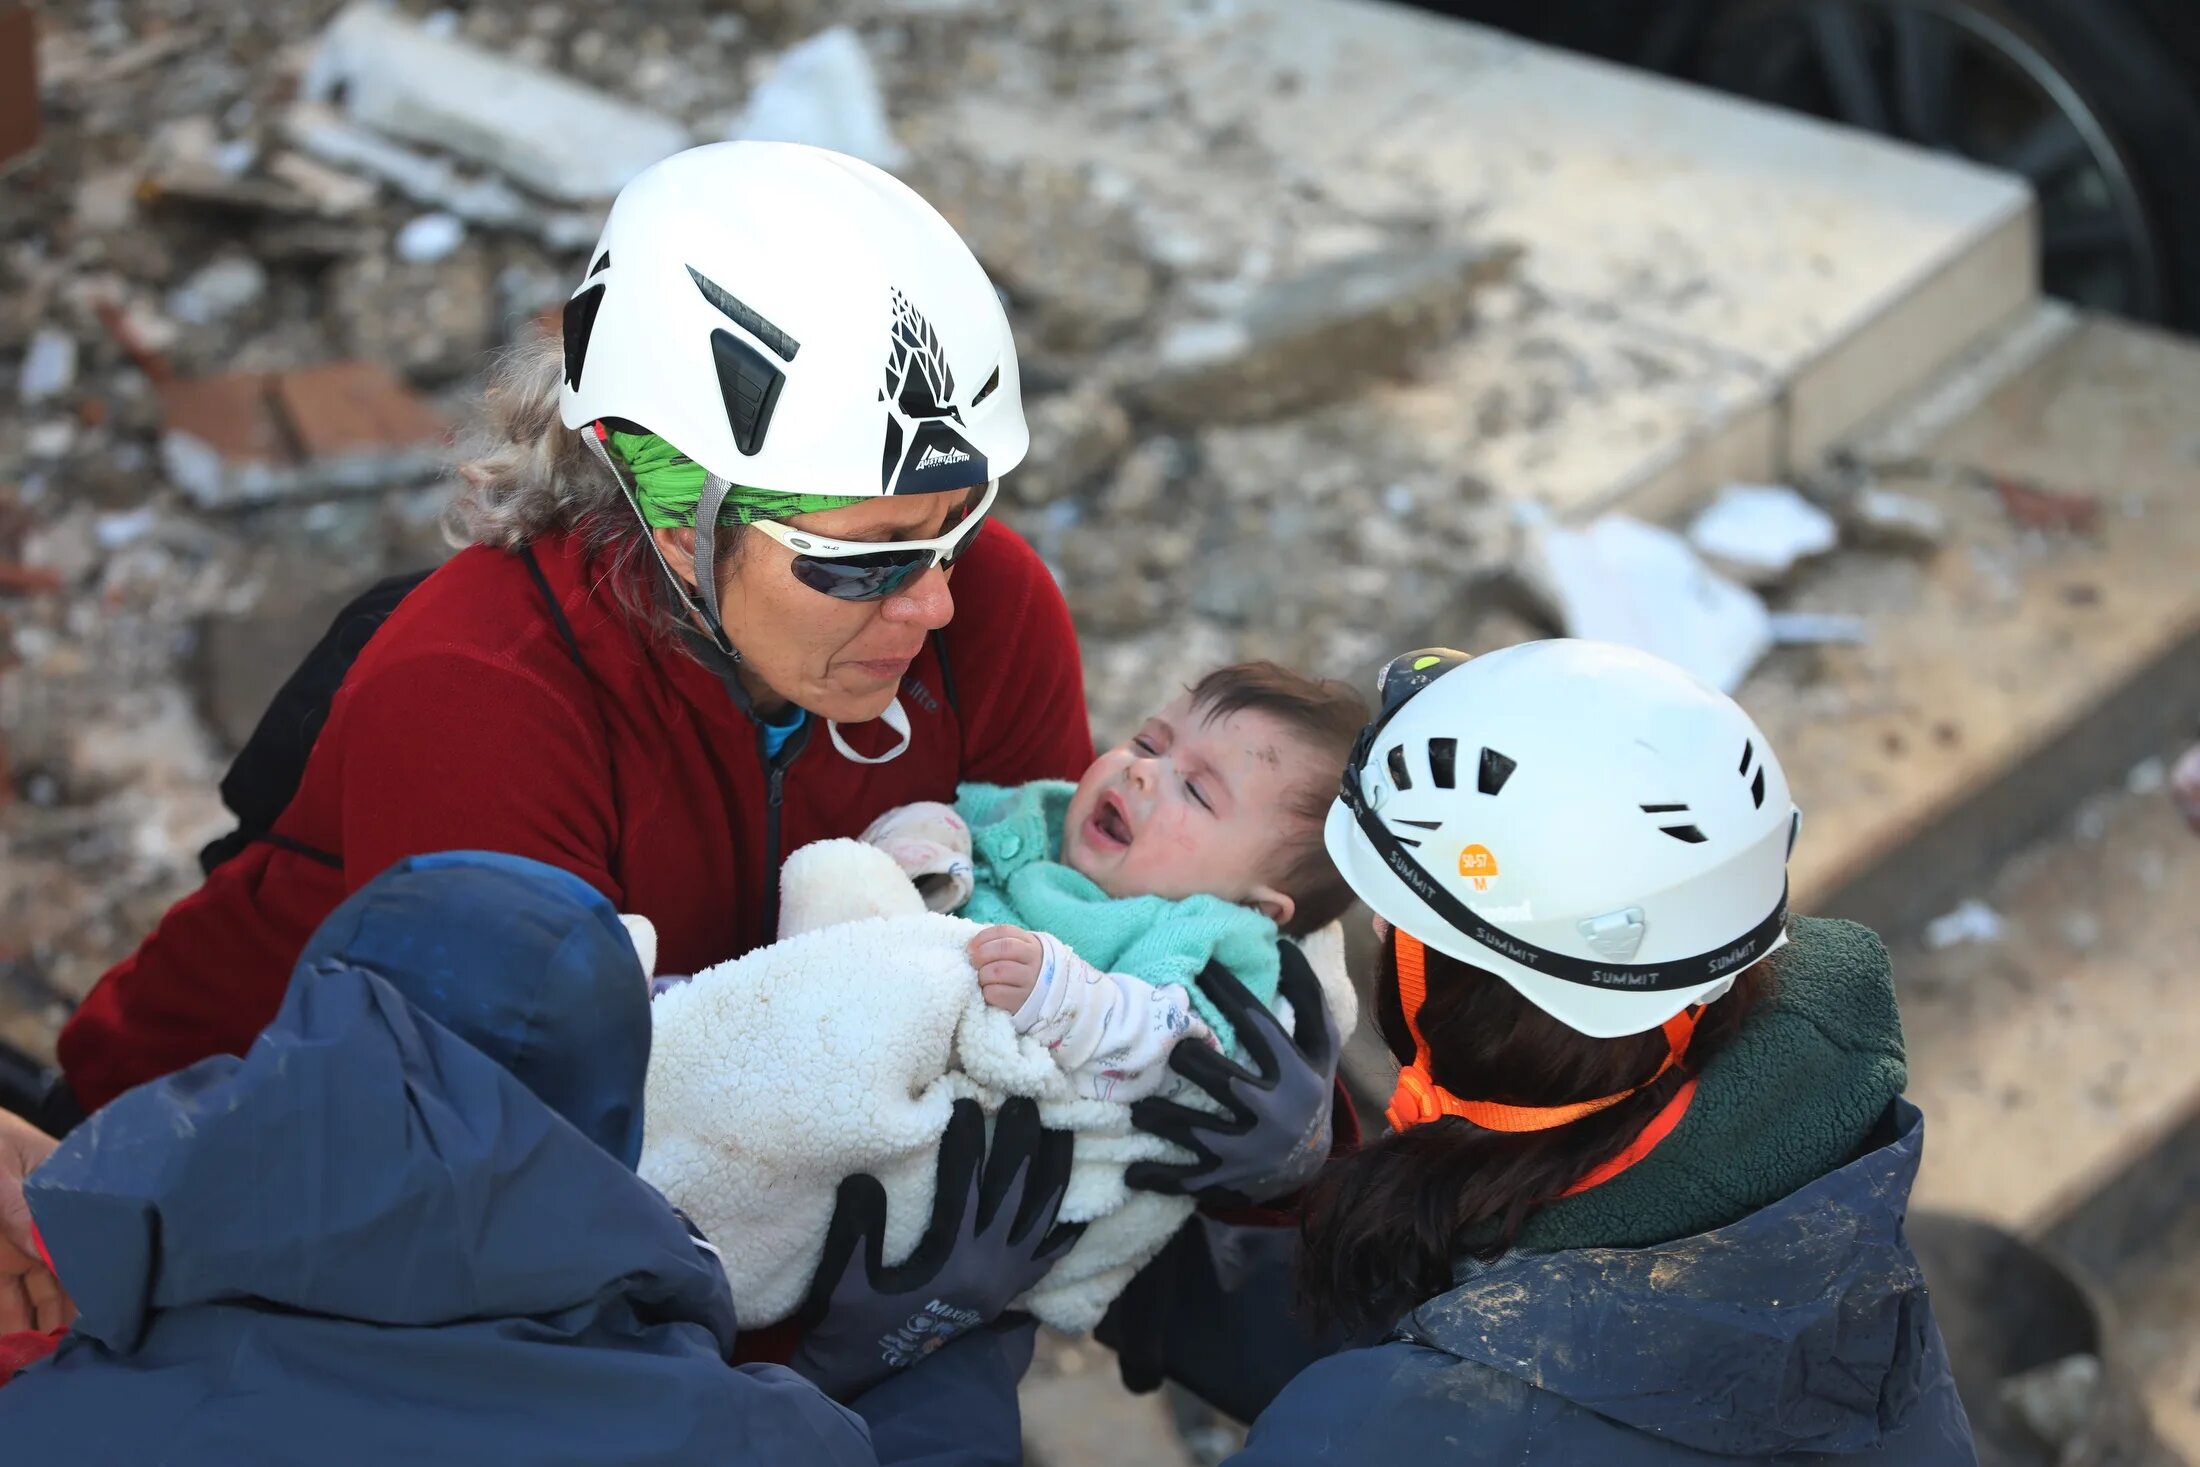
704	604
895	717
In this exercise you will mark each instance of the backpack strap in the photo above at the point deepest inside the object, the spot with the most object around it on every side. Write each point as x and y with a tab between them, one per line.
557	612
267	771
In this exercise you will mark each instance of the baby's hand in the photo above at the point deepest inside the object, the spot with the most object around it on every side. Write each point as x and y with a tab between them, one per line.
1009	961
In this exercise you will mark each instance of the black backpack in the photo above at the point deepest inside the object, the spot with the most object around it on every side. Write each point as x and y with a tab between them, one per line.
266	772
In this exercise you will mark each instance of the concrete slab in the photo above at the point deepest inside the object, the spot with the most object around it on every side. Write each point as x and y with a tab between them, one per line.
2014	668
2055	1069
1802	277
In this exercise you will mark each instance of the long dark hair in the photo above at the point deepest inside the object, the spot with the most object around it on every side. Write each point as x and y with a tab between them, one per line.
1385	1225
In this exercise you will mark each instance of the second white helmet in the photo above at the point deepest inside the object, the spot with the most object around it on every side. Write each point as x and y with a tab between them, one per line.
797	320
1603	831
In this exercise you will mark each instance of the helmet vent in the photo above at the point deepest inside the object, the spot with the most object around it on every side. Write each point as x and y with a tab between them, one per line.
1421	824
603	263
1496	769
1757	788
1749	752
745	316
1396	759
987	390
1688	833
1443	757
749	382
580	323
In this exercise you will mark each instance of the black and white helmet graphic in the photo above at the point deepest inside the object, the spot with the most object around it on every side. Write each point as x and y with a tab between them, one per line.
798	320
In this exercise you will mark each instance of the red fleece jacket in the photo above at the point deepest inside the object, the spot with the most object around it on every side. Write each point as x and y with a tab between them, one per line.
466	725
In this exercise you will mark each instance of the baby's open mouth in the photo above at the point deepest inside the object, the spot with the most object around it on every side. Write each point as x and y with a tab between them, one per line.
1110	822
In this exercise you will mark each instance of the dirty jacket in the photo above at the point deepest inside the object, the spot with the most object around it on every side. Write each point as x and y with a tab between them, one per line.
405	1228
467	724
1774	1312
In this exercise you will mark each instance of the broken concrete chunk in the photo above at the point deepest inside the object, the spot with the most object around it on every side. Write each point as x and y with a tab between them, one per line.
550	133
1972	921
1817	629
1319	337
1075	437
218	291
247	437
333	192
1621	580
2059	1400
1072	262
1880	519
429	238
824	92
49	367
490	202
1757	532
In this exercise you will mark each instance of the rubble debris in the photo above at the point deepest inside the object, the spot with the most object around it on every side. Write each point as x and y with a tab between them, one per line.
2059	511
1818	629
434	322
246	437
1075	437
1880	519
1972	921
2057	1401
49	367
1072	262
1317	337
1621	580
17	579
824	92
2147	777
2184	786
1757	532
489	202
333	192
429	238
556	136
19	112
116	318
218	290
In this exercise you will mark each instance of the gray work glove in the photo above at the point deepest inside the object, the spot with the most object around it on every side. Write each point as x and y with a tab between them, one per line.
1274	1134
992	1237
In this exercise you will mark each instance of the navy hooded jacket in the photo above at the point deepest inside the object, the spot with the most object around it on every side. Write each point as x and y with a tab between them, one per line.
405	1227
1801	1333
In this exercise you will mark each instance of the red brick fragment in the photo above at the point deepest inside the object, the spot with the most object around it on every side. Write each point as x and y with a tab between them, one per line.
2057	510
19	126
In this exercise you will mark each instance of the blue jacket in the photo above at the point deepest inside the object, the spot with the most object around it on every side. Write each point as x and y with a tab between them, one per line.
405	1228
1801	1333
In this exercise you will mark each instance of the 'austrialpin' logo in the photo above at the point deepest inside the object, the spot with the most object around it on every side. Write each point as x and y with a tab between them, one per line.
936	456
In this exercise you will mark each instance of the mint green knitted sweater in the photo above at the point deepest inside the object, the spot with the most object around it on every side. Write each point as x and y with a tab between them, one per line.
1016	848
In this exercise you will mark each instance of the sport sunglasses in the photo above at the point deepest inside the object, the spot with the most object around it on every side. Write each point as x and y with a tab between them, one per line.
855	570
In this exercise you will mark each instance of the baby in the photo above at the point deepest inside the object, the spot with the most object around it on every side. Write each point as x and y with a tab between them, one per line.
1198	840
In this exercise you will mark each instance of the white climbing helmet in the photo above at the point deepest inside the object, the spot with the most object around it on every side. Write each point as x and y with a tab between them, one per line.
796	320
1598	828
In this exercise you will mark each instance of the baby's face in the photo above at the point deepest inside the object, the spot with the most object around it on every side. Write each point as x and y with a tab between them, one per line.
1189	805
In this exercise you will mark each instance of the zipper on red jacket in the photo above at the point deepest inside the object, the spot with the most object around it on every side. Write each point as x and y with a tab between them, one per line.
775	778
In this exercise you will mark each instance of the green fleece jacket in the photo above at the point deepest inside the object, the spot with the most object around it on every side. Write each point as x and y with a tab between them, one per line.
1016	849
1789	1100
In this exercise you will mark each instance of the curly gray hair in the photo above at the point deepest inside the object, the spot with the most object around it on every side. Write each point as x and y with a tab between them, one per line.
522	474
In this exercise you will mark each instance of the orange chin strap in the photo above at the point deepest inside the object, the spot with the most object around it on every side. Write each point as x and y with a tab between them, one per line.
1419	1099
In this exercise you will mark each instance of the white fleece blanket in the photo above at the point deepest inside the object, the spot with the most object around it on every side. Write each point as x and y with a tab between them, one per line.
840	1049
